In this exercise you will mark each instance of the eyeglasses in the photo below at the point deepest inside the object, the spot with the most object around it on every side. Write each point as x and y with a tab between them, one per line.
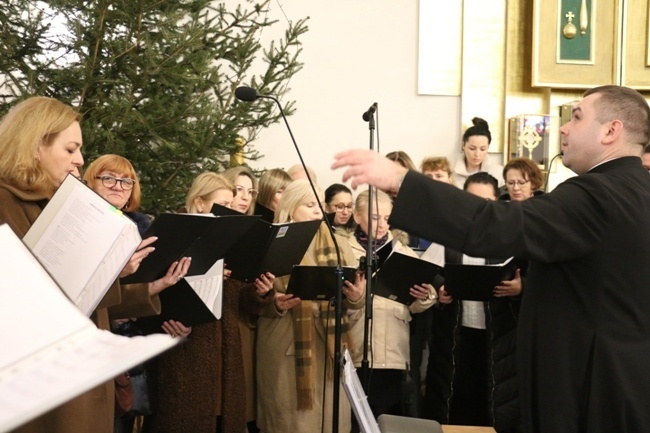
241	190
340	207
110	181
520	183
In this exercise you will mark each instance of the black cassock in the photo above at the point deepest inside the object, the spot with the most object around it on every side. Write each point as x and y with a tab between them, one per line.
584	326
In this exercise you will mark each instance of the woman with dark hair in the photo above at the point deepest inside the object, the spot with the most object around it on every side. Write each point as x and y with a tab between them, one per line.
471	376
523	178
339	206
476	142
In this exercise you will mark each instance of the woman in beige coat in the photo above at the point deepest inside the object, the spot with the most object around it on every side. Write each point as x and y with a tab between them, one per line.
295	338
389	342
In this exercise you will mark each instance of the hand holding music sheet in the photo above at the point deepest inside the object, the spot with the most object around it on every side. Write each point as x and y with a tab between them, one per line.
203	237
192	301
398	272
51	351
83	242
477	282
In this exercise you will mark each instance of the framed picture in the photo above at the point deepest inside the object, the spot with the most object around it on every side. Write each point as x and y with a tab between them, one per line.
635	59
575	43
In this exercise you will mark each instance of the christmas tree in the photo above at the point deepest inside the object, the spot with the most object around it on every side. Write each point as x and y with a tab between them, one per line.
154	80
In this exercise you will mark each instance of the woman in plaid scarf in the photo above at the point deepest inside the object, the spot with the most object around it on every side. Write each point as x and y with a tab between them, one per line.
295	341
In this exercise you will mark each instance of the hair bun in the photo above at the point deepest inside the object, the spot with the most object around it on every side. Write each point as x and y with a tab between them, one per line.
480	123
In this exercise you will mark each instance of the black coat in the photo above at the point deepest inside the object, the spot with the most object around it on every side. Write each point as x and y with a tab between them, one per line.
584	328
503	391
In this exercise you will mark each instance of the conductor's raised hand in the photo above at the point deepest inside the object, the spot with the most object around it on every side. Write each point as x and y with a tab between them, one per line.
367	166
144	249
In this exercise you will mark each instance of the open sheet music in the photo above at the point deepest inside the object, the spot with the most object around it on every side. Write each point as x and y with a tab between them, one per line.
83	241
192	301
51	352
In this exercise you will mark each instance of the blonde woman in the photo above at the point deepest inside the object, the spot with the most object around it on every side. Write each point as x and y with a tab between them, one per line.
272	185
295	338
389	342
246	189
203	384
207	190
40	144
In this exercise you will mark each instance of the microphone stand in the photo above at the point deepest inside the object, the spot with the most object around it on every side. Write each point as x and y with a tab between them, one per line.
249	94
371	262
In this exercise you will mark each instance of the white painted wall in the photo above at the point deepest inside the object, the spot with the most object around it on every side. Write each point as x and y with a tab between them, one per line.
358	52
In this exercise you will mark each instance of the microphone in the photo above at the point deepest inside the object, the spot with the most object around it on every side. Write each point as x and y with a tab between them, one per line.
370	112
246	94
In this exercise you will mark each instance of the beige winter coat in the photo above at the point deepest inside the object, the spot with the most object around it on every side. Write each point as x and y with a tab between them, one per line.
389	345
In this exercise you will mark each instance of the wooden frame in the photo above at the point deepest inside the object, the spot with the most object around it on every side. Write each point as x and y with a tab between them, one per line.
549	71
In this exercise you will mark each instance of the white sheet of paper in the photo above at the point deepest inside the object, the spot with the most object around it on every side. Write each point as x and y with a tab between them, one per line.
83	242
209	287
50	351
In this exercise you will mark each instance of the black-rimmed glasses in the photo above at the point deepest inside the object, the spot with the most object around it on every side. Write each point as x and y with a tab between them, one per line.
110	181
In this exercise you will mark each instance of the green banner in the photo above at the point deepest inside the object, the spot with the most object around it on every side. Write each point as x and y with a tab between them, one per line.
575	30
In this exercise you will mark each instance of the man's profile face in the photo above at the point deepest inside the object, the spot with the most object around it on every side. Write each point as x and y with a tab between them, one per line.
581	136
645	160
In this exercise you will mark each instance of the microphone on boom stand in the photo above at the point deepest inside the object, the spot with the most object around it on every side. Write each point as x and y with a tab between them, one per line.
370	261
248	94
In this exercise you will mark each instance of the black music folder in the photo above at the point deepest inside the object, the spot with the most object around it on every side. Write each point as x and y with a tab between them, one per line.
268	247
477	282
264	212
204	238
316	283
398	272
261	211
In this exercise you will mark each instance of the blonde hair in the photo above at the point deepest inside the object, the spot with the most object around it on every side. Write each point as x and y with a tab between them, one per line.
233	173
33	122
436	163
116	164
402	158
297	193
361	204
203	186
295	169
271	182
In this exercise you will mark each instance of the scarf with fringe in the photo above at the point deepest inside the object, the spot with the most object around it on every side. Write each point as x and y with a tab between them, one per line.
321	252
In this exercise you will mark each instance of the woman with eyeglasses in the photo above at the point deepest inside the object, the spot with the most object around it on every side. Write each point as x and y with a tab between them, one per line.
40	144
113	177
339	207
202	386
523	178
